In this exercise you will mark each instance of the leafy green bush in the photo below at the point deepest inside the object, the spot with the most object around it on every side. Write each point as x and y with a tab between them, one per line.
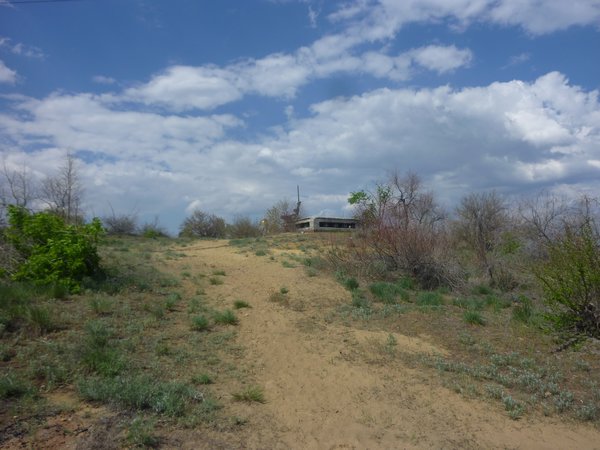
54	252
571	279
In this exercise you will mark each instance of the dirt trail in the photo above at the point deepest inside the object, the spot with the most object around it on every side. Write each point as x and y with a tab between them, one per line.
331	387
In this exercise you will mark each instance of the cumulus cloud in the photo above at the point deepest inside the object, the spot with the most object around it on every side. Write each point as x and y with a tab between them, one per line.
379	19
507	135
7	75
280	75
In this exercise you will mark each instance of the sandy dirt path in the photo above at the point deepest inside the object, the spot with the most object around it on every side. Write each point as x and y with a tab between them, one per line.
329	386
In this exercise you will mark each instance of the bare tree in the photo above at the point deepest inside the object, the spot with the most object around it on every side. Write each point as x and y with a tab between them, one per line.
17	187
543	215
203	225
403	226
481	218
63	193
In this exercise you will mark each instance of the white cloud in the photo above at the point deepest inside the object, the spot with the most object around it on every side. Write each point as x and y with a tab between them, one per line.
279	75
381	19
21	49
511	136
7	75
442	59
184	87
101	79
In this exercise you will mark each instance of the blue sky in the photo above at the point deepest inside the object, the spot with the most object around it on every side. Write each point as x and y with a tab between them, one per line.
226	106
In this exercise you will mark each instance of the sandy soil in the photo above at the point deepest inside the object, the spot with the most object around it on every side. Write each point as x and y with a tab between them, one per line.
327	386
332	387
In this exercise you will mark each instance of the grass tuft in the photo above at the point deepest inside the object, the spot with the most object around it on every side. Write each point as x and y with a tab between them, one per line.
226	317
250	395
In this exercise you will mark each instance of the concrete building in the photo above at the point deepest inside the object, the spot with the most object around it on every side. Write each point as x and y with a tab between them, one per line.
325	224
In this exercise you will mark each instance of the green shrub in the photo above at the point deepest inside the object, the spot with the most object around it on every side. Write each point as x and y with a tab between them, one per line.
200	323
571	279
53	251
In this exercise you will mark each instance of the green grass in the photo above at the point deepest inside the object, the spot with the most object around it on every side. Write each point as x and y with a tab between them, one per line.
250	395
200	323
239	304
140	433
139	393
351	284
215	281
202	378
226	317
101	305
12	387
429	299
473	317
388	293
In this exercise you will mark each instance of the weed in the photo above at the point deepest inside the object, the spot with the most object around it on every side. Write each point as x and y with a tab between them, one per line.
583	365
97	354
311	272
162	349
473	304
388	292
41	319
220	273
351	284
250	394
482	289
278	297
226	317
140	433
360	301
101	305
494	391
563	401
202	378
429	299
260	252
515	408
587	412
139	393
239	304
523	310
200	323
215	281
172	300
391	343
473	317
287	264
406	283
11	386
284	290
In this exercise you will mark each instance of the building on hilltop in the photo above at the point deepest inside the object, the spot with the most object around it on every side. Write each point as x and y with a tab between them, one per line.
326	224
